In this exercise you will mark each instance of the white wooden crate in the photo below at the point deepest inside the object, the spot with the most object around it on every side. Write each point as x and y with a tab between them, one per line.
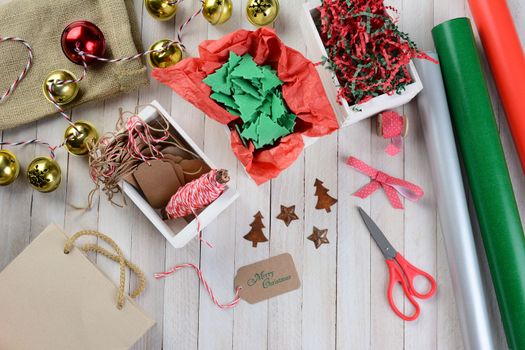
178	232
347	114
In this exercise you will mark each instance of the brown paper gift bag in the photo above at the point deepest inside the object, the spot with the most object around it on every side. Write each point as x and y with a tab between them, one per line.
50	300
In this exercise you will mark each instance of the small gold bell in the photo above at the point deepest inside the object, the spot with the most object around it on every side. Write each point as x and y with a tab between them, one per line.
44	174
163	10
170	55
62	93
217	11
9	167
78	137
262	12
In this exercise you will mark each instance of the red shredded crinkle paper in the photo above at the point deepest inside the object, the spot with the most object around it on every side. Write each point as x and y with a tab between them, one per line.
366	50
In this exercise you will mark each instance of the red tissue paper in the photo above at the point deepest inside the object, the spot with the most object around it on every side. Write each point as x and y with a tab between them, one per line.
302	90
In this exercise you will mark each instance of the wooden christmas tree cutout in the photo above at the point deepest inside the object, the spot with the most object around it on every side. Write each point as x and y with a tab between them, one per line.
324	200
287	214
256	234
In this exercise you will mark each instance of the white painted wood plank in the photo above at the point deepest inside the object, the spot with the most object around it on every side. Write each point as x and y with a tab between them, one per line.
148	247
250	321
50	208
319	267
181	294
218	263
16	199
285	312
113	220
420	217
353	243
387	328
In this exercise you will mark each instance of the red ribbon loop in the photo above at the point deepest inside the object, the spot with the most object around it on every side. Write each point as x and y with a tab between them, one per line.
392	128
391	185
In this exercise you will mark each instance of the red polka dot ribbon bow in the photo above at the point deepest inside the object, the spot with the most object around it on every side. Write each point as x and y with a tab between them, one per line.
392	128
392	185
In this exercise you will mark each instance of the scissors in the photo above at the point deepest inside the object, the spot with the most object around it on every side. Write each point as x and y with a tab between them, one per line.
401	271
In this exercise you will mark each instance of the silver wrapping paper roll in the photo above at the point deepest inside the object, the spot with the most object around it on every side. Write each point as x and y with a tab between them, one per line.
457	231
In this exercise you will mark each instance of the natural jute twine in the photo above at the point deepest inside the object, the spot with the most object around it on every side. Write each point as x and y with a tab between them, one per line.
118	257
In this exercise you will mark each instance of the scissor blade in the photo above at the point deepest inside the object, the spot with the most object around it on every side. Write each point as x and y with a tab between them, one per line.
386	248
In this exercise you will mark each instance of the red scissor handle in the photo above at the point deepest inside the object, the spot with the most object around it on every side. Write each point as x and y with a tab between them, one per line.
411	272
396	276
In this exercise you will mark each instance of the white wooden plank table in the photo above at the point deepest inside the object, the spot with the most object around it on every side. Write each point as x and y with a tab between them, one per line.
341	303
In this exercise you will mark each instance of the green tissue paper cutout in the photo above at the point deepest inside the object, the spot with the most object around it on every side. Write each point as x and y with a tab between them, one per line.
270	80
233	60
278	108
288	121
227	100
247	69
217	81
247	105
253	93
269	131
243	140
251	132
266	106
246	86
233	111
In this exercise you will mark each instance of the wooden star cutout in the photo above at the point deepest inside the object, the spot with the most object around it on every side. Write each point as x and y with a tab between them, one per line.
319	237
287	214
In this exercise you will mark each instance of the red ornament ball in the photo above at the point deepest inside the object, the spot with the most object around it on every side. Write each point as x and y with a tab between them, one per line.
84	36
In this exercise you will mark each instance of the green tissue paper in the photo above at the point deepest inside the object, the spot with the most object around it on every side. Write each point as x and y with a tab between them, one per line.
252	92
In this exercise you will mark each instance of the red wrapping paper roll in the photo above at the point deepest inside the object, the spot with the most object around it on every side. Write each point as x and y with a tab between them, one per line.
507	62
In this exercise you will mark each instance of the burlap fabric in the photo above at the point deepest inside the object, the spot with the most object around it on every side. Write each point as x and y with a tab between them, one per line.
40	22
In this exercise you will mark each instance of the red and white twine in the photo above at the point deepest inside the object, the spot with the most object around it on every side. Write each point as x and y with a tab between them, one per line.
195	195
52	149
26	69
176	268
132	57
134	126
179	33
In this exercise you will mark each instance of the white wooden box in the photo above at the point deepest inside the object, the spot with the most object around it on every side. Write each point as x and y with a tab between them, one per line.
178	232
347	114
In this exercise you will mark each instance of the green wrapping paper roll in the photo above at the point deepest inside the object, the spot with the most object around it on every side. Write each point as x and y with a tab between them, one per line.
488	177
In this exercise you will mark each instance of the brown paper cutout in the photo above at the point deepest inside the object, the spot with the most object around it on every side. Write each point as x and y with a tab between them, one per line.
158	182
287	214
256	234
324	200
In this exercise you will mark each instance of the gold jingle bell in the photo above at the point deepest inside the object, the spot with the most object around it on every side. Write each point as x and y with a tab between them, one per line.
9	167
262	12
62	93
163	10
44	174
217	11
78	136
170	54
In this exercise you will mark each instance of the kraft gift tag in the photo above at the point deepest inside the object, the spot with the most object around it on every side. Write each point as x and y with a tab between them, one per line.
194	168
50	300
158	182
267	278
